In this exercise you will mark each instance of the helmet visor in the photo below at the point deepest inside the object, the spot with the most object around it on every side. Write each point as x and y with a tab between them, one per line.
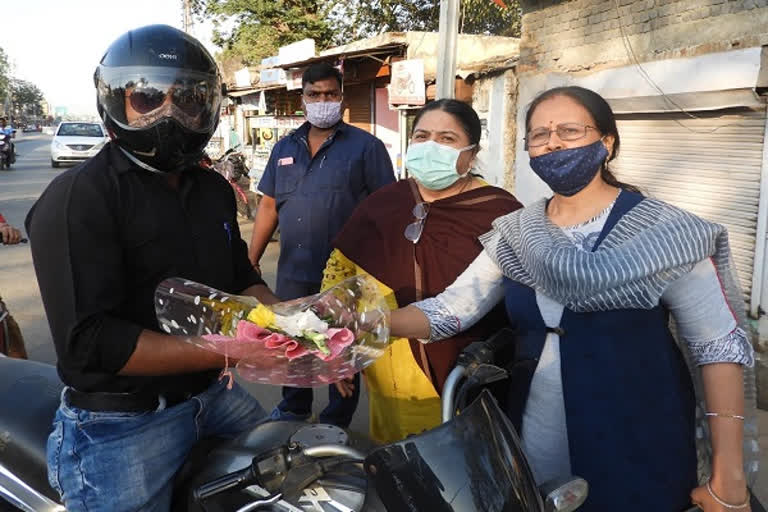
138	97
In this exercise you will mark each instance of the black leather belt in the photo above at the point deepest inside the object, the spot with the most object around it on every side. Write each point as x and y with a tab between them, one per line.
121	402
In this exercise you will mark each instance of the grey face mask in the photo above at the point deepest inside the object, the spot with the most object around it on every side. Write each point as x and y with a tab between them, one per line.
167	110
323	114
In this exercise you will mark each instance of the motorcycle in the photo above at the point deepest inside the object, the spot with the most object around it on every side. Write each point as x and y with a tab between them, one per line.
473	461
7	153
232	166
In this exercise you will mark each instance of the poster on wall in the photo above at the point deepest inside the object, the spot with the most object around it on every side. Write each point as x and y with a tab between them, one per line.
407	85
265	131
491	159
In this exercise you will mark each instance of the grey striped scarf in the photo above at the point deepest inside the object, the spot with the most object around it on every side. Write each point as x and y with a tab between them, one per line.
651	246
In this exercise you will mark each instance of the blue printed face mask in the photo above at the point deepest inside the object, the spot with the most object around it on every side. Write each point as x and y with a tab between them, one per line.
568	171
433	165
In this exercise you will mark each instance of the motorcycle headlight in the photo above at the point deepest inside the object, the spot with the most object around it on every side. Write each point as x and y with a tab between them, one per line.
565	495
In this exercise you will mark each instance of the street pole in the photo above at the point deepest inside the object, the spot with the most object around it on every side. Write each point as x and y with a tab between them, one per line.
446	48
187	16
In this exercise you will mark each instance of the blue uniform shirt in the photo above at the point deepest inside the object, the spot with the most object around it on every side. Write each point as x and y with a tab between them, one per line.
314	197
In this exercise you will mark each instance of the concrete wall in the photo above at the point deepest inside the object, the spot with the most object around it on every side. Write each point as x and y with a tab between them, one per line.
494	99
470	49
581	35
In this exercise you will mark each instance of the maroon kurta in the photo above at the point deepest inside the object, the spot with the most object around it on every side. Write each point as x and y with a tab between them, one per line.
374	239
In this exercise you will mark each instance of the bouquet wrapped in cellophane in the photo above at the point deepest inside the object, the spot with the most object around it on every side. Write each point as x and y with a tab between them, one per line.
307	342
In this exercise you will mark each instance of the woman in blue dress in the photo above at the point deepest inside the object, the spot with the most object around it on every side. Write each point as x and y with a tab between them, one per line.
591	278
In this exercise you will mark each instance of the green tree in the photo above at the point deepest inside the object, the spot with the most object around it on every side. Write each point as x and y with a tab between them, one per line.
488	17
27	98
365	18
5	78
262	26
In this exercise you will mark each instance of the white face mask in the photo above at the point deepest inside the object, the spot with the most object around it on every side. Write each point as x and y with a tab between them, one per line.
323	114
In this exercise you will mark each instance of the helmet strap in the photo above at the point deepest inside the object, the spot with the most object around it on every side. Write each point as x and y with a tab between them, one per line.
141	164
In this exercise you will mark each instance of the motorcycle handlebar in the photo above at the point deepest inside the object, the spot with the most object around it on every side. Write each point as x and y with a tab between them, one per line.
500	340
449	392
477	356
224	483
487	352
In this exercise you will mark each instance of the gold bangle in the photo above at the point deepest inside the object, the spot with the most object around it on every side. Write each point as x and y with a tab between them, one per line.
723	503
721	415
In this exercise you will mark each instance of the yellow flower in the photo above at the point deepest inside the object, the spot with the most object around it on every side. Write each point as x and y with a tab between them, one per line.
261	316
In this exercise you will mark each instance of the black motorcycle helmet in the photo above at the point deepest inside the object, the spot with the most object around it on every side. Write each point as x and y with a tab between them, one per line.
159	93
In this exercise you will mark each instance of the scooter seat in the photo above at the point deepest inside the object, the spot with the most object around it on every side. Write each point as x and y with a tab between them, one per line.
29	397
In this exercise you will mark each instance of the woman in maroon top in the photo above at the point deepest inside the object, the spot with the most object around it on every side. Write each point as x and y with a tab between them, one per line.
415	237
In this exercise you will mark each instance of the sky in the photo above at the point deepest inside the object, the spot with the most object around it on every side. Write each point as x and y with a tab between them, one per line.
57	44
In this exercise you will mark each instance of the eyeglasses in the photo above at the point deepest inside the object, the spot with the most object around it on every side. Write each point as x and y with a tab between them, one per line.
414	229
565	131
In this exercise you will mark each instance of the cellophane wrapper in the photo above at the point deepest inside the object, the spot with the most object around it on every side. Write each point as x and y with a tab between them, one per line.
194	312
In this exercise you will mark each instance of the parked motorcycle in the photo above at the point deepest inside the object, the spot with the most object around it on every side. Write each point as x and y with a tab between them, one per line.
232	166
472	462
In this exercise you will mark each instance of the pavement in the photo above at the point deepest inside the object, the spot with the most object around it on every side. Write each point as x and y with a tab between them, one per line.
21	186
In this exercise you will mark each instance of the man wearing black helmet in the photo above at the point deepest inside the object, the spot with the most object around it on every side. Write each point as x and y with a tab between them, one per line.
104	234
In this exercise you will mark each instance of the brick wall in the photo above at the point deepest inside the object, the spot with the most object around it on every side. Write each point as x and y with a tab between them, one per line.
579	35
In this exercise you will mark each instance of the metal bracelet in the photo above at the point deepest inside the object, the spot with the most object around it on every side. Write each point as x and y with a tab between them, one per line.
732	416
724	504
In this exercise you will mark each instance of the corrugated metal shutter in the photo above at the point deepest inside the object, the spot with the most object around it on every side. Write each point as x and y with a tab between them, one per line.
358	112
710	166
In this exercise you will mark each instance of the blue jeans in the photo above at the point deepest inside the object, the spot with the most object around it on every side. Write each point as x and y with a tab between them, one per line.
298	401
339	411
118	461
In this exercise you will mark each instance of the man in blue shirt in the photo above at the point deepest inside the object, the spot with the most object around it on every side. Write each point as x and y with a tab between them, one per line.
314	179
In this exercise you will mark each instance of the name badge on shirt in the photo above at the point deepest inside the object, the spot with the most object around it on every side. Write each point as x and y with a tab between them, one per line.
285	161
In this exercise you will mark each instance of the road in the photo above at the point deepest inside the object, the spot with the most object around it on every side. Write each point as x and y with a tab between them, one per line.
20	187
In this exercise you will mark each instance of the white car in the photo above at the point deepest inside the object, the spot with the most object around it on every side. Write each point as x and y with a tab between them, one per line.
75	142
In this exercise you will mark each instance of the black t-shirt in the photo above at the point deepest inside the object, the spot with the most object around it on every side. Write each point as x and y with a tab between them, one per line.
104	235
